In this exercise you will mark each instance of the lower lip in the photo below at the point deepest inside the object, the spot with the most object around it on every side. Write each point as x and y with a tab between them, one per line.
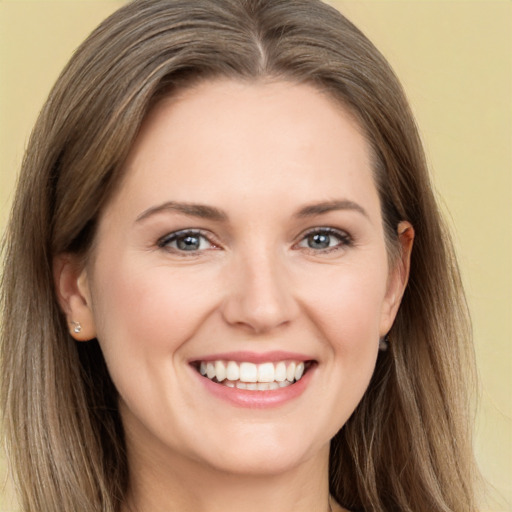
258	399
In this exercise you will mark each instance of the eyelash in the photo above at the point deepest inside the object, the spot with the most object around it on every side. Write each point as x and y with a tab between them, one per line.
344	239
165	241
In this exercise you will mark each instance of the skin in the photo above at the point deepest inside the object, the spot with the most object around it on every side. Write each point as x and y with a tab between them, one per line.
261	153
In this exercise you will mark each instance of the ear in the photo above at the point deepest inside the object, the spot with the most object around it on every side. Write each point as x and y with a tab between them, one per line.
398	277
72	288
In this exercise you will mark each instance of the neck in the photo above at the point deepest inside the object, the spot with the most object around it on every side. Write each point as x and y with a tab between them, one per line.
182	485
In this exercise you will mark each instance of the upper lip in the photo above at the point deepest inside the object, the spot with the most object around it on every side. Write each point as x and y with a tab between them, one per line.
254	357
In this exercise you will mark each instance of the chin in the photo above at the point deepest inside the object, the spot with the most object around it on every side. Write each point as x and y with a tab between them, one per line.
260	462
264	451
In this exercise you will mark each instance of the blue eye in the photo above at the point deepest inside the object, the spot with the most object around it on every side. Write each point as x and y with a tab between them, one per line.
322	239
185	241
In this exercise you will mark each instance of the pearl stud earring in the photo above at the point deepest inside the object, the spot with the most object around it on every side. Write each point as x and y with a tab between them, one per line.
77	327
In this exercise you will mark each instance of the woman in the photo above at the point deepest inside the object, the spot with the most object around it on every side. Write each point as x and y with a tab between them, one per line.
220	200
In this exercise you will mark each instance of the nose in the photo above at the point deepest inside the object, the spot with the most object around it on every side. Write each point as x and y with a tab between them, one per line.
259	296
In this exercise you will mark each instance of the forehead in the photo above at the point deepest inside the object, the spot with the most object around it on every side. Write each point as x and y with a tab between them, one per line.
253	140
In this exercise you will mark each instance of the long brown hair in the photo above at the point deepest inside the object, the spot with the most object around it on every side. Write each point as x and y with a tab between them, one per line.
407	446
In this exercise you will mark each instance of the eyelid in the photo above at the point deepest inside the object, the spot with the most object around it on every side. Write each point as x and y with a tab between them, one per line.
163	241
345	238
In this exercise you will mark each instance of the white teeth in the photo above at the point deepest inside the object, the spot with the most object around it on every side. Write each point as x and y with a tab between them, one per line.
252	376
248	372
220	371
290	372
280	373
257	386
210	370
266	372
299	371
232	371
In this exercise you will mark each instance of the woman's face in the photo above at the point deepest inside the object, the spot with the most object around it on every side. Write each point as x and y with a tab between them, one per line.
245	241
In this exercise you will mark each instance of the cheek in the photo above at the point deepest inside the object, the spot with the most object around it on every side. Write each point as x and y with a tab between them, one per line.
147	312
347	305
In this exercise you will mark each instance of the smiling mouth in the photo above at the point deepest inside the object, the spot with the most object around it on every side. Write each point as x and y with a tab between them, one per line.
251	376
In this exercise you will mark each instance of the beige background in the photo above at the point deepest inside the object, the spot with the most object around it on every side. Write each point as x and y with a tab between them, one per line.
455	61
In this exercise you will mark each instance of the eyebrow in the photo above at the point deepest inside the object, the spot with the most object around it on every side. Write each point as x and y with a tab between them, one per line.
192	209
329	206
212	213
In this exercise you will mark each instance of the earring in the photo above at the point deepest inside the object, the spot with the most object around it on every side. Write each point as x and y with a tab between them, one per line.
77	326
384	343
